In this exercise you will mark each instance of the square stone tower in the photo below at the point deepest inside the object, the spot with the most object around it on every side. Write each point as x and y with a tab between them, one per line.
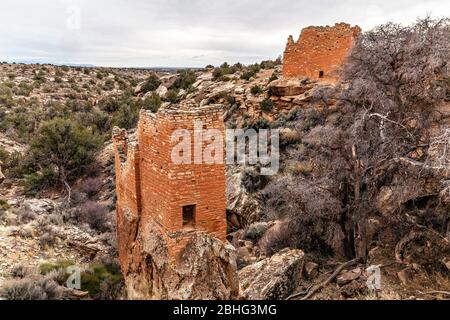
319	51
181	199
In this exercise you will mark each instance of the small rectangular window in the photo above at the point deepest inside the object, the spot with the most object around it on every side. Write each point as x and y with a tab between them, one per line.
320	74
189	216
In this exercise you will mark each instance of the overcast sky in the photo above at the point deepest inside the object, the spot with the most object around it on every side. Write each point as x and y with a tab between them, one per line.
180	33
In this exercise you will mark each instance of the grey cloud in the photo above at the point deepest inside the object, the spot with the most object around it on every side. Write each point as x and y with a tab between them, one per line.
181	32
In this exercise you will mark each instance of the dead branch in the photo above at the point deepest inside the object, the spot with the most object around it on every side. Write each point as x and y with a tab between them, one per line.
385	118
436	292
312	290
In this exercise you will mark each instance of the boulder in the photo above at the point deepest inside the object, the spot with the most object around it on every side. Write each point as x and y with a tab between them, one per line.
161	91
273	278
35	206
138	88
169	80
288	87
201	79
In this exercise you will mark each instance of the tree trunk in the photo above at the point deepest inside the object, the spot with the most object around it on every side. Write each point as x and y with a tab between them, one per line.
360	216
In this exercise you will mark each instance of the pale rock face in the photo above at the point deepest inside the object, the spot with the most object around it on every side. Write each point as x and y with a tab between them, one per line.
273	278
169	80
138	88
37	206
161	91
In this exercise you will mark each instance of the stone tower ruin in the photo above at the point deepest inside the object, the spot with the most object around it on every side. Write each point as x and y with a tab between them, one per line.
319	51
170	214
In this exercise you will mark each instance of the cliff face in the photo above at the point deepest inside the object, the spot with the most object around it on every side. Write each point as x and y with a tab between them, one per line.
319	51
171	218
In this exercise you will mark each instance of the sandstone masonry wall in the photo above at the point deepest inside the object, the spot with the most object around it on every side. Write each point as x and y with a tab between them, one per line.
151	187
319	51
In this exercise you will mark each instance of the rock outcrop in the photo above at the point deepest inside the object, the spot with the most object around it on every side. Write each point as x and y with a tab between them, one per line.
242	208
204	270
273	278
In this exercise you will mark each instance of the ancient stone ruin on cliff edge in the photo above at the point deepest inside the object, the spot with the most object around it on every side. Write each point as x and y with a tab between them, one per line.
171	218
319	51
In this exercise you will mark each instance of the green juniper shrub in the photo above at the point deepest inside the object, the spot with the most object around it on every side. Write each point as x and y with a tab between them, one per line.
64	146
5	96
267	105
260	123
273	77
97	276
256	90
37	181
152	102
109	85
24	89
109	104
172	95
151	84
186	80
127	115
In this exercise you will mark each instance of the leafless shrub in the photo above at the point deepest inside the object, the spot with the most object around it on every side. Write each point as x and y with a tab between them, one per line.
439	152
110	290
40	288
395	79
22	271
25	233
95	215
25	215
275	238
252	179
309	210
47	239
91	186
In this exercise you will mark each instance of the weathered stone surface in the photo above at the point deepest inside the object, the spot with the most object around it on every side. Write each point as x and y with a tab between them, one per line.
272	278
319	51
288	87
205	268
161	91
138	88
242	208
169	80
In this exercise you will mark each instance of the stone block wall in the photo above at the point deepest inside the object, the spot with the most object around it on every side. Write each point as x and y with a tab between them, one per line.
151	187
319	51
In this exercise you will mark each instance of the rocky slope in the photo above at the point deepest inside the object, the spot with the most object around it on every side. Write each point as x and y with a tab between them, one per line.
35	229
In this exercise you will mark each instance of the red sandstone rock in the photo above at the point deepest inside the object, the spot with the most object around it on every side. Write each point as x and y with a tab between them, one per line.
319	51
